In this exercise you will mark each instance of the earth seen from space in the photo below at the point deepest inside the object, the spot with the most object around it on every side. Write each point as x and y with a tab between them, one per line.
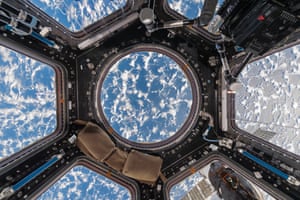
146	98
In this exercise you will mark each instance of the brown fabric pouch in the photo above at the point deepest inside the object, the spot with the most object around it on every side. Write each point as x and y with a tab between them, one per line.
142	167
94	142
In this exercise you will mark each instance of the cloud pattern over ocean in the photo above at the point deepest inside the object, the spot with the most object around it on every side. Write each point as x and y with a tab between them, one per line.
83	183
269	98
78	14
146	97
27	101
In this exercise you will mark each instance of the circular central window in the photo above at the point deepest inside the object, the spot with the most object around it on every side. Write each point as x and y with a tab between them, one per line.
146	97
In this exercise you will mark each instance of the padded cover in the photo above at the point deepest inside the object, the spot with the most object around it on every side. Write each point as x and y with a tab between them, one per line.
94	142
143	167
117	159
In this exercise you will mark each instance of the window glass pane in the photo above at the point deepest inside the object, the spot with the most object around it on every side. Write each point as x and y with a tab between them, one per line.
208	184
189	9
76	15
27	101
179	190
82	183
269	99
146	97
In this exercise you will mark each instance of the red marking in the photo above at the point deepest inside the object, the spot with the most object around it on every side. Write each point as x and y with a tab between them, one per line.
261	18
108	174
193	170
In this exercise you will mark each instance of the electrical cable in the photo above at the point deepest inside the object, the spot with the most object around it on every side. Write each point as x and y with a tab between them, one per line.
206	133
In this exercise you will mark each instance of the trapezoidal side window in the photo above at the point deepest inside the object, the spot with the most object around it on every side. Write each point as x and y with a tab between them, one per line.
28	109
189	9
76	15
83	183
268	103
210	182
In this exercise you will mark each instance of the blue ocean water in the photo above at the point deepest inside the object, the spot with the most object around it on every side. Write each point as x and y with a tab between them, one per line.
76	15
27	101
83	183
